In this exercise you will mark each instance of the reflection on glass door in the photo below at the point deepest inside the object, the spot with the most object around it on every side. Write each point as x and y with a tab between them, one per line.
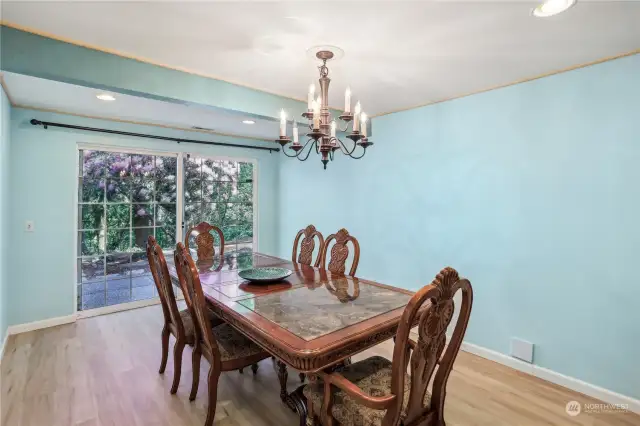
122	199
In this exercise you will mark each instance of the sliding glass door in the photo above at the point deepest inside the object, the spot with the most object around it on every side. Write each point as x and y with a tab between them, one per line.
122	199
125	197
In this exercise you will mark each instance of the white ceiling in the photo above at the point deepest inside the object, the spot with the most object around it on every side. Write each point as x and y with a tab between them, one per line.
397	53
39	93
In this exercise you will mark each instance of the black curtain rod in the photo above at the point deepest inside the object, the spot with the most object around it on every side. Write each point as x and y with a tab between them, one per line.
46	124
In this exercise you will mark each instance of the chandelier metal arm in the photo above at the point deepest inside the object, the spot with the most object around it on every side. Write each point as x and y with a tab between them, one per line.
309	150
348	152
343	147
298	152
346	127
364	151
290	156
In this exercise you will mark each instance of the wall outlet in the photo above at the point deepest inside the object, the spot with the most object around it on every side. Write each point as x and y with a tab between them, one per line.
522	349
29	226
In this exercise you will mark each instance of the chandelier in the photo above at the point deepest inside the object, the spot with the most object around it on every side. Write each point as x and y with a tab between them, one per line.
322	128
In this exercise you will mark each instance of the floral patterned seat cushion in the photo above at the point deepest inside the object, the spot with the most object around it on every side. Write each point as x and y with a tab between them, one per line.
373	376
187	323
233	344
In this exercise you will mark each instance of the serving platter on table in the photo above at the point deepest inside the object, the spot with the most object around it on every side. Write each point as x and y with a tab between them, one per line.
265	274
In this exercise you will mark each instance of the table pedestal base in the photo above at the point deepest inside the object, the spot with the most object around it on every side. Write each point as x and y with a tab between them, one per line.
294	400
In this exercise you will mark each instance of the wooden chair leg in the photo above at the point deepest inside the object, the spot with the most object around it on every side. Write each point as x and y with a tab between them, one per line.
254	368
241	370
177	364
165	348
213	396
196	357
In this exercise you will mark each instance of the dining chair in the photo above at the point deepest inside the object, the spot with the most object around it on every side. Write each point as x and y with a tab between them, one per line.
177	323
340	252
307	246
379	392
204	242
225	348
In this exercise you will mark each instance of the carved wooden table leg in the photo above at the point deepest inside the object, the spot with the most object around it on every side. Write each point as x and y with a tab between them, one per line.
294	400
283	375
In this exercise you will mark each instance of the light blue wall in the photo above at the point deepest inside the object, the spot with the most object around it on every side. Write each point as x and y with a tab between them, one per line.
5	112
531	191
43	176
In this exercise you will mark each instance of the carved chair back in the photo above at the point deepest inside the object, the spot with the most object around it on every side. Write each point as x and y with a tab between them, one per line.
340	252
204	241
307	246
435	306
196	302
162	279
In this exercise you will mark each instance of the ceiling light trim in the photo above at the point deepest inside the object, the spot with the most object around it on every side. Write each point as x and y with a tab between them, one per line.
107	97
525	80
539	12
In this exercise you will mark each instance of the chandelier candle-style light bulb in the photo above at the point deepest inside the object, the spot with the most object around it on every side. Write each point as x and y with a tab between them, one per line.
312	90
363	118
356	117
316	113
347	100
333	128
283	123
295	132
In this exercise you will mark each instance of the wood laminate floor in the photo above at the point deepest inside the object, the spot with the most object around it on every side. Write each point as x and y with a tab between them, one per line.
103	371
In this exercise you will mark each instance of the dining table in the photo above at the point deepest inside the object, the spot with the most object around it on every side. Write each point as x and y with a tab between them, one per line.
311	321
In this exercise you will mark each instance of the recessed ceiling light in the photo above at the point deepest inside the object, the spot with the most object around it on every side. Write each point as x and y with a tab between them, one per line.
248	122
552	7
105	97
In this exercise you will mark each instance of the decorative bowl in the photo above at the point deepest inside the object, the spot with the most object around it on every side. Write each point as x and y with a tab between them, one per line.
264	274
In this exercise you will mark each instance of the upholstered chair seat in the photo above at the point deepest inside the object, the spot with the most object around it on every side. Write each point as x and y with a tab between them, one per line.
373	377
233	344
187	323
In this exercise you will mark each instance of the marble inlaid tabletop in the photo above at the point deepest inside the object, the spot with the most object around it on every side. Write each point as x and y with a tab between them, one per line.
310	320
313	312
310	303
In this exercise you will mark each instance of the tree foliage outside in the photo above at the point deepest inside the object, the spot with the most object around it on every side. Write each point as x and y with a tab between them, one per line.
124	198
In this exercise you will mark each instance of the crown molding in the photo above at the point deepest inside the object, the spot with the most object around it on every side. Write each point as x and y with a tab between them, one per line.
524	80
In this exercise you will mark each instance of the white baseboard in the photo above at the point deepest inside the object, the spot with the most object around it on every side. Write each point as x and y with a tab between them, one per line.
37	325
585	388
117	308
